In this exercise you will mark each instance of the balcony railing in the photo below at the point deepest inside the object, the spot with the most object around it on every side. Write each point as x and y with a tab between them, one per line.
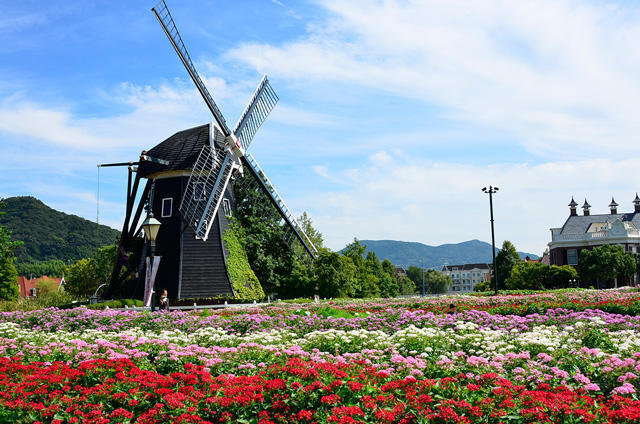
594	235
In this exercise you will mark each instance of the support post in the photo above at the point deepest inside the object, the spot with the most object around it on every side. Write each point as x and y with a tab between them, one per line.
490	191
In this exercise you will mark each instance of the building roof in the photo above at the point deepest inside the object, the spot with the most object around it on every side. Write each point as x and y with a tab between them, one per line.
579	224
25	284
466	267
545	259
181	150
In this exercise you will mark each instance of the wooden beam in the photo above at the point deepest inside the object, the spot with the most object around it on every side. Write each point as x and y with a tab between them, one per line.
125	237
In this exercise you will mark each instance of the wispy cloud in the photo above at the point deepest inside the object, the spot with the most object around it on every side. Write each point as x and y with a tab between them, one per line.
397	198
555	75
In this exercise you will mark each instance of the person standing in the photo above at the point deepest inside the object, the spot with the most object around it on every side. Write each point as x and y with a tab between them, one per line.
164	301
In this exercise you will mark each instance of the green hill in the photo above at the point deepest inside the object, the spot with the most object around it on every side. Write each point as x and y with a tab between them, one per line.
403	253
50	234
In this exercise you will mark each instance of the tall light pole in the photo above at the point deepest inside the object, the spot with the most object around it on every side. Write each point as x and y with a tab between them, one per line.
490	191
422	268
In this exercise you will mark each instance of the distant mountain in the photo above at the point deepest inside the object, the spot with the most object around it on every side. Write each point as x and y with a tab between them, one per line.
49	234
404	253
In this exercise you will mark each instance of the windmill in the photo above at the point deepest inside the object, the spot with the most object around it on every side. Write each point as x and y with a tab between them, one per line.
195	168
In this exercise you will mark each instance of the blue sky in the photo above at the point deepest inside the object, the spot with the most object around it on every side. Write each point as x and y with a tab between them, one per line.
392	115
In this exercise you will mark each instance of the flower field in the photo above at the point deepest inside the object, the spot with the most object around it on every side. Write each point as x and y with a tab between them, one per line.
568	357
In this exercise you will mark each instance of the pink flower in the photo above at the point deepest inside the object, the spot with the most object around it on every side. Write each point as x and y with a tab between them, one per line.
625	389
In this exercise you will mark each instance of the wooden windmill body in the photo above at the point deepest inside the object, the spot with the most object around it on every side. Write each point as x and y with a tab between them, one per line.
189	190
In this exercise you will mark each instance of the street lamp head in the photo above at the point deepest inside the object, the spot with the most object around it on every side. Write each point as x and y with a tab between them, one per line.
484	189
151	227
495	189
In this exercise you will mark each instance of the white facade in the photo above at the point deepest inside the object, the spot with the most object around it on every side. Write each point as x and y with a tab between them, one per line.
465	277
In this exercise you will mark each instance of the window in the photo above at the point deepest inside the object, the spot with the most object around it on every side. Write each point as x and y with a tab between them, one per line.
572	257
226	205
198	192
33	291
167	205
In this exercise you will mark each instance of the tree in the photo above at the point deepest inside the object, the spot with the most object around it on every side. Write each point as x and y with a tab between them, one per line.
528	276
335	275
389	283
626	267
561	276
415	274
355	251
51	268
482	286
606	263
436	282
104	260
9	289
46	286
8	275
275	264
506	259
81	280
406	286
312	233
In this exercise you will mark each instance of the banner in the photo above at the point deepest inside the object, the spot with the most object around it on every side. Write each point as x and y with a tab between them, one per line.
150	278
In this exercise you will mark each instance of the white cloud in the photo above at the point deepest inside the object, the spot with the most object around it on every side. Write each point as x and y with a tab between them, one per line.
443	202
148	115
561	76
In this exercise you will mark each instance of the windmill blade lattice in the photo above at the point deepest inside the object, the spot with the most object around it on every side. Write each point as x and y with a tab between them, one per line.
260	105
205	189
164	16
290	221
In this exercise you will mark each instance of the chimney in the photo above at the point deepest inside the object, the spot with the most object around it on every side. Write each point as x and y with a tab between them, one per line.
613	206
585	208
573	204
636	204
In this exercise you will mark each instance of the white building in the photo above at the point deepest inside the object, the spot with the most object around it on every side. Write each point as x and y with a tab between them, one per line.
465	277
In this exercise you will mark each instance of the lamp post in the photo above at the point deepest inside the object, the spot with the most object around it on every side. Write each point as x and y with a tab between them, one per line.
151	227
490	191
422	268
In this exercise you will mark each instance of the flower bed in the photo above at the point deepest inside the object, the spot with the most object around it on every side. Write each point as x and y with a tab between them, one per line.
381	361
102	391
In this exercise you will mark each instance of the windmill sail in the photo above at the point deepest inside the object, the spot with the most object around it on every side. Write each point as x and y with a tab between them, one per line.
205	189
164	17
292	224
260	105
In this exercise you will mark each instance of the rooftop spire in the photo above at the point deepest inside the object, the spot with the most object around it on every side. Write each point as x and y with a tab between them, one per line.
585	207
614	206
572	207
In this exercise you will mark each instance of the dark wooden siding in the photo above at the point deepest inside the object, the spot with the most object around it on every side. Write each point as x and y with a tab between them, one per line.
168	241
204	271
